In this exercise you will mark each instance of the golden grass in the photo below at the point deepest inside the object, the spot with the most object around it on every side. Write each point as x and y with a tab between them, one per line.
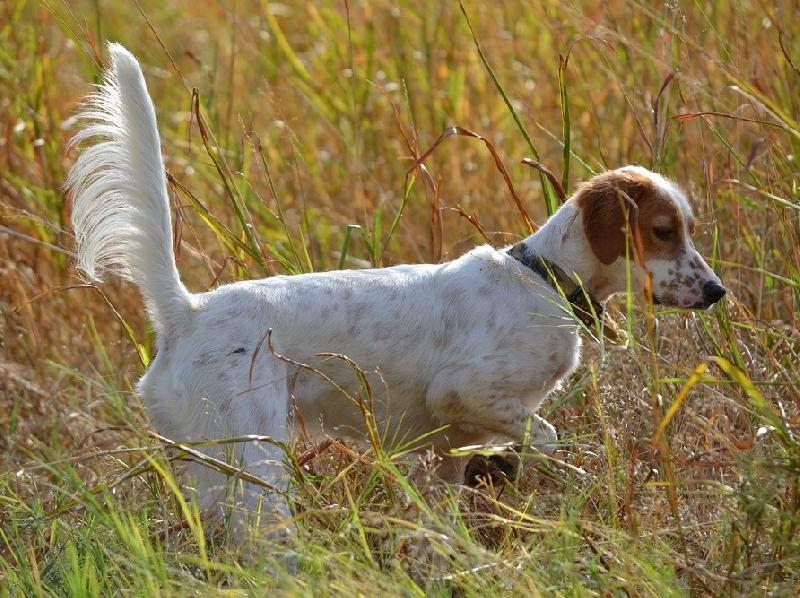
305	123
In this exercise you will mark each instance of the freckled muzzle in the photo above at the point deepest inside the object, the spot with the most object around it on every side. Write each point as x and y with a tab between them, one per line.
685	283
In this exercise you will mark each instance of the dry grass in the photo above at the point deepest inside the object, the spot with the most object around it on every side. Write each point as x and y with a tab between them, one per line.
306	121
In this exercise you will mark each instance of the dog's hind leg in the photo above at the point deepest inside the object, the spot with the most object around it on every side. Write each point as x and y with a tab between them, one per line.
240	415
262	411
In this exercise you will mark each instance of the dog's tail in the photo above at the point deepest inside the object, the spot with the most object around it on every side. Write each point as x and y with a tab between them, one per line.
121	211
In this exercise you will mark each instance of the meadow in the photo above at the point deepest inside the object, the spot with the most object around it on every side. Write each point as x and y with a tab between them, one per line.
289	131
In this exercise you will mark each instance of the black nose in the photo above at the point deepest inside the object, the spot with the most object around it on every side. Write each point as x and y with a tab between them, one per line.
712	292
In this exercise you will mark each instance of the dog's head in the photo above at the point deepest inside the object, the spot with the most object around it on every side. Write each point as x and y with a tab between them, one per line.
651	214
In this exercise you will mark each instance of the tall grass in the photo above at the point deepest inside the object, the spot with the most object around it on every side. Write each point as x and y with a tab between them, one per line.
304	146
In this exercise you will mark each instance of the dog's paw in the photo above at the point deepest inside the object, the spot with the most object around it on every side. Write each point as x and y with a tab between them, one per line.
495	469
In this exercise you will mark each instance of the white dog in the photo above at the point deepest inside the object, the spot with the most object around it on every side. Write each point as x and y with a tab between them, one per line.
472	346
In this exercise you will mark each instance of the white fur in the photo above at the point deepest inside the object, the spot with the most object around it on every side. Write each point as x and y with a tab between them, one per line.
474	345
121	211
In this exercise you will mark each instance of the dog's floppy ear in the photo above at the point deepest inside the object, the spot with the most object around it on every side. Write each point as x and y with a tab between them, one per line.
607	203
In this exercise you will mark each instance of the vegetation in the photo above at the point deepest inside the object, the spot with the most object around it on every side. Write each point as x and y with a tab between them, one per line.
680	467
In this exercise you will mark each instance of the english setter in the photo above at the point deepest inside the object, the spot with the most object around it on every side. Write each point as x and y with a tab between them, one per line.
472	346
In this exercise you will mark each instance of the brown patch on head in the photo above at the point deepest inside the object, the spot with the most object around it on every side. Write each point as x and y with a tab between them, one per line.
660	225
610	200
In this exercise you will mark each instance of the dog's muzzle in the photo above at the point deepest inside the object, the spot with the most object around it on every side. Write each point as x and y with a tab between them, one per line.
712	292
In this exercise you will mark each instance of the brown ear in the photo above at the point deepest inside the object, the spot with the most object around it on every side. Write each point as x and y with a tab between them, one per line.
607	202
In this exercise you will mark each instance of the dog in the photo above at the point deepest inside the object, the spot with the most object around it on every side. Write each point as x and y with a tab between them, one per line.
468	348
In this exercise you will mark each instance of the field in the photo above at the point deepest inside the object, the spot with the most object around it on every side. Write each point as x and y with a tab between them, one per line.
289	130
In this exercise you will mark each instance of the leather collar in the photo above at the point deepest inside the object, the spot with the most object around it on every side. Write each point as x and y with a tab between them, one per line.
584	305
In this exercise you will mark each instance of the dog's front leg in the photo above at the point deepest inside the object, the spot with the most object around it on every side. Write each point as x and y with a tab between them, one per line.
542	434
509	460
478	411
504	465
495	415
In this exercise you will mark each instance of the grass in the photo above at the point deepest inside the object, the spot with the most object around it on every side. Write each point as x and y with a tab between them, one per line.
292	155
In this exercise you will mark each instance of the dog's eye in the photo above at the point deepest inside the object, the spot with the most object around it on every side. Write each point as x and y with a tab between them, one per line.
664	234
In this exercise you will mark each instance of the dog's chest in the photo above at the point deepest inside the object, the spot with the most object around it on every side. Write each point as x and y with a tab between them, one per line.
561	364
554	360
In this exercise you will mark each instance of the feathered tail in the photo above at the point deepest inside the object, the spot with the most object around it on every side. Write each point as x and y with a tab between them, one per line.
121	210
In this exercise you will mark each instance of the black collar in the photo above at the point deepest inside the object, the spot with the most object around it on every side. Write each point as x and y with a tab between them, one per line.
584	305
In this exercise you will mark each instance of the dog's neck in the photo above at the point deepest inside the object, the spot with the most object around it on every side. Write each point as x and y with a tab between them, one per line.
584	306
562	242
